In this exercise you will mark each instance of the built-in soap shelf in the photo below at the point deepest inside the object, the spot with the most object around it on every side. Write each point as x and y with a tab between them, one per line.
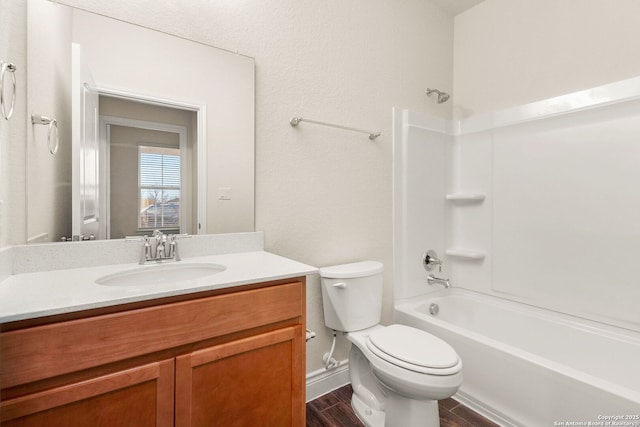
465	197
464	253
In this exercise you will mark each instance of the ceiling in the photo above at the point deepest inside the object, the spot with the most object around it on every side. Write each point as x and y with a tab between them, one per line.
455	7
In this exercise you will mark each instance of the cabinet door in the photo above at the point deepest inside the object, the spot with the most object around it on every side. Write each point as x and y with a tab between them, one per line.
256	381
136	397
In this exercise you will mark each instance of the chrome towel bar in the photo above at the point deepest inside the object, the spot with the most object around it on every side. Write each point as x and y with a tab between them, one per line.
295	121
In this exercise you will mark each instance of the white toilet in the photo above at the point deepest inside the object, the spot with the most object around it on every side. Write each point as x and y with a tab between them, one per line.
398	373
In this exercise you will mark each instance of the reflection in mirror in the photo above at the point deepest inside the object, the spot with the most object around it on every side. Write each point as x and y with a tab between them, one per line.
151	179
134	95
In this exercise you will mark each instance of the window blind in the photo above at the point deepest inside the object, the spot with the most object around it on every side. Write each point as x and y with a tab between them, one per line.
159	185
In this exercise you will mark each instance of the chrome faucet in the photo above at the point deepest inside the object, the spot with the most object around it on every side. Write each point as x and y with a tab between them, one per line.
161	239
431	279
159	247
429	261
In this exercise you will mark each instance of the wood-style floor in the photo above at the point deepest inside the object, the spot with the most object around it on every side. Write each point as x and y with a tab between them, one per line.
334	410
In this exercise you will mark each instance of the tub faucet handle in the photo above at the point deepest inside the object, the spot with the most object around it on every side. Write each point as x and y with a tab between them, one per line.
430	260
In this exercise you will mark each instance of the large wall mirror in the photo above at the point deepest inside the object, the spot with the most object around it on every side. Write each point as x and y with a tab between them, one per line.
152	131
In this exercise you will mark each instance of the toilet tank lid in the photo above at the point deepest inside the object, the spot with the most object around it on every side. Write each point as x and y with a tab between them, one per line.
352	270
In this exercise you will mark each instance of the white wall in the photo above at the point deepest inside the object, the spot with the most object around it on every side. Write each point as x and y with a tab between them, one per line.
508	53
48	176
323	196
13	40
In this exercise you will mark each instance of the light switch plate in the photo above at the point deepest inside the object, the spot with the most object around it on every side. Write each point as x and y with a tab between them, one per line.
224	193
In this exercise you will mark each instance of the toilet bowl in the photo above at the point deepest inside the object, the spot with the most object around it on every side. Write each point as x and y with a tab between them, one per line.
398	373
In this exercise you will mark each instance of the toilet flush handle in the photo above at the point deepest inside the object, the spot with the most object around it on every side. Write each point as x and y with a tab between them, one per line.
340	285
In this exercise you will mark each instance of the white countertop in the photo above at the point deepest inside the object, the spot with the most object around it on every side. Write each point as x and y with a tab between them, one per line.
45	293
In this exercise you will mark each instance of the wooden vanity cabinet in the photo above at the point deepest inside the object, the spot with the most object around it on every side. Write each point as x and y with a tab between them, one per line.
140	396
247	382
226	358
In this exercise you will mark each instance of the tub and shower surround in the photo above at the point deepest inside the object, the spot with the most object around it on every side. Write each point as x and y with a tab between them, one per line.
536	205
560	224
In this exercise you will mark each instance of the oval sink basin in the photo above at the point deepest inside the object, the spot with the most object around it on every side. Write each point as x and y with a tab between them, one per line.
161	274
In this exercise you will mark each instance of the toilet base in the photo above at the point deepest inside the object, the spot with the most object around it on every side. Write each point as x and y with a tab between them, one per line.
400	412
403	411
381	399
369	417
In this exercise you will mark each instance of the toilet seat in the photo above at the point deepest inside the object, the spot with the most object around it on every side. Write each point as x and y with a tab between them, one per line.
414	349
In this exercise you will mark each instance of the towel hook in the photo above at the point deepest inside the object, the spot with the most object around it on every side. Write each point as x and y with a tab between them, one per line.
51	123
7	66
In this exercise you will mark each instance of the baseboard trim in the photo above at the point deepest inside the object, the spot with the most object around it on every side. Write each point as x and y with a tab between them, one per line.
321	381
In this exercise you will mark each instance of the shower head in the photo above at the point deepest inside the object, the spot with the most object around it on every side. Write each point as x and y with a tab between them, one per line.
442	96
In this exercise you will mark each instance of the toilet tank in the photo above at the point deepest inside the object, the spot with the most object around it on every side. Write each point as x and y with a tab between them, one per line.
352	295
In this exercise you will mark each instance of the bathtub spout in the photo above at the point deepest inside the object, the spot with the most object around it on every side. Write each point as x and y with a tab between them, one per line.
431	279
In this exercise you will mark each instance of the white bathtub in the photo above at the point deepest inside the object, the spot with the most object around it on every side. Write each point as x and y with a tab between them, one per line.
524	366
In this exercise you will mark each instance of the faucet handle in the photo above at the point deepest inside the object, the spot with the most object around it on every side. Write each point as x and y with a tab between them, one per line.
145	253
173	238
430	260
173	244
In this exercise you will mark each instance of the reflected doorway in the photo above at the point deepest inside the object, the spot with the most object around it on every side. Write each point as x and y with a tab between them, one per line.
149	163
